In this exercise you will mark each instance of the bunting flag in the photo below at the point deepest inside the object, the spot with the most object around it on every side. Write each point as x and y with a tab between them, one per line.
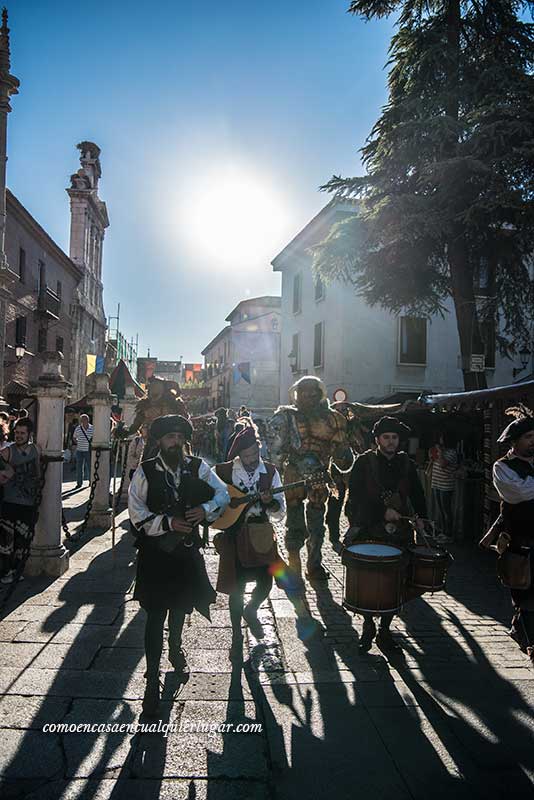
100	365
91	364
242	370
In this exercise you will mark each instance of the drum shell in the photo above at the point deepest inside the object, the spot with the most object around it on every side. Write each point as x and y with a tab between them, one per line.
428	571
374	585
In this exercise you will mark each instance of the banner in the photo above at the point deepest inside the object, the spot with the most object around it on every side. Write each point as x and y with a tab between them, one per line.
242	370
91	364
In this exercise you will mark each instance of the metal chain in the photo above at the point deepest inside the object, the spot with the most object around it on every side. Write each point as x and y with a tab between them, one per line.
81	530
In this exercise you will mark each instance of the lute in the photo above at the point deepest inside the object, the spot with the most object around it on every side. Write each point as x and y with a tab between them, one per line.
239	501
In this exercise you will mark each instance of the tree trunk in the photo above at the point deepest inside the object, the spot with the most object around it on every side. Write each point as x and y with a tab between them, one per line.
461	271
466	314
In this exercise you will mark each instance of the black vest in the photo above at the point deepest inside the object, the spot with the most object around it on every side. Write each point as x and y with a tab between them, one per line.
164	498
519	517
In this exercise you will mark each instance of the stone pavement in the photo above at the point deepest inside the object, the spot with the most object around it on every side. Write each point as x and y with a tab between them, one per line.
453	717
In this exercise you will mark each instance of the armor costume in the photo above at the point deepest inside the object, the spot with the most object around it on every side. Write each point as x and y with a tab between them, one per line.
303	440
163	399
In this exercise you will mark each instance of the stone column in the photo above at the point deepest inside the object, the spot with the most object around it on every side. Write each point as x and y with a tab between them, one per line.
101	401
128	403
48	556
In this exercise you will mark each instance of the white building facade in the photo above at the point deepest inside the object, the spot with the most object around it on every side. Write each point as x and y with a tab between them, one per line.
242	363
368	352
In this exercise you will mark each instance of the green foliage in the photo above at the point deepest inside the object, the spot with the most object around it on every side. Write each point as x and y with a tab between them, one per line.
449	162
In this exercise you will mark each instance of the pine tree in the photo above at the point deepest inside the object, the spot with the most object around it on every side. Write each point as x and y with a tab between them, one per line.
449	184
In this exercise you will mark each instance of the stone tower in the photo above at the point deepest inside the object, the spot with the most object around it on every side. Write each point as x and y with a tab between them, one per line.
89	220
8	86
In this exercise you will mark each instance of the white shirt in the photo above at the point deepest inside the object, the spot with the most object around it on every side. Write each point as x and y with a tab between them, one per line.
250	484
83	437
138	491
510	486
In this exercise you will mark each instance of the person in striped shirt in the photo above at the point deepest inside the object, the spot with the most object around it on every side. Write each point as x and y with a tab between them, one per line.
82	438
444	468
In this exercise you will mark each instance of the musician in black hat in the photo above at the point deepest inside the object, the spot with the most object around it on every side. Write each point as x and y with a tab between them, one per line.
169	497
383	488
513	477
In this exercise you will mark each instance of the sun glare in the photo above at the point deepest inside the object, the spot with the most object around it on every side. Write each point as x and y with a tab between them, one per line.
233	218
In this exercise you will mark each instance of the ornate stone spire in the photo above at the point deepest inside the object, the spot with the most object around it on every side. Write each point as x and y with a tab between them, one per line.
4	43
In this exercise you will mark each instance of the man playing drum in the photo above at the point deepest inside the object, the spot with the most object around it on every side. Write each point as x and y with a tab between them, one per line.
384	488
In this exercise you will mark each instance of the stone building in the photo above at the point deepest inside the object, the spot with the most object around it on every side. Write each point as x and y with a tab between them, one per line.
55	301
242	363
48	300
39	309
369	353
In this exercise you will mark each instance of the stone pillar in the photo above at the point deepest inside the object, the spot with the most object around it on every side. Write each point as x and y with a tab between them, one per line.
101	401
48	556
128	403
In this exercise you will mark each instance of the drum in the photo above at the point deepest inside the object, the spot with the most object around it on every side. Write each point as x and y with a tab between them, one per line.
428	568
374	577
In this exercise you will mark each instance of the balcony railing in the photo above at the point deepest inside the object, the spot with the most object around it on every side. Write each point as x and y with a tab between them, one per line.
48	304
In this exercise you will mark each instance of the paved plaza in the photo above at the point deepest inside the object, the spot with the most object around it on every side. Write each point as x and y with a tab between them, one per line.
452	717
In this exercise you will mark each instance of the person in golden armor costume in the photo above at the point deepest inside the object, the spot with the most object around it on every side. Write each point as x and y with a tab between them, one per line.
305	438
163	398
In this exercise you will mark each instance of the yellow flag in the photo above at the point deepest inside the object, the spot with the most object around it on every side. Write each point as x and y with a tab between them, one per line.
91	364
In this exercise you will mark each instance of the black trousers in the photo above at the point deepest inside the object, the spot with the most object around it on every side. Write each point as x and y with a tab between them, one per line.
264	582
155	623
333	513
385	620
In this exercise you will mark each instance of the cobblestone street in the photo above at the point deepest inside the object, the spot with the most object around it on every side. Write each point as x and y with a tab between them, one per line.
452	717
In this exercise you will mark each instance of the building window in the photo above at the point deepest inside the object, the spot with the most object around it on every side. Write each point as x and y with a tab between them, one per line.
22	265
412	341
297	293
20	330
92	330
60	344
59	289
319	289
294	356
42	340
318	345
42	277
487	332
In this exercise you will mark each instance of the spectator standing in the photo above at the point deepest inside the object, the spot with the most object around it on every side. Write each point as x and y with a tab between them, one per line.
443	483
20	497
82	437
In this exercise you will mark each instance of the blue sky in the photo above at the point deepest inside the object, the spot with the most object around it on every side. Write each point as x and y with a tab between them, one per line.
217	123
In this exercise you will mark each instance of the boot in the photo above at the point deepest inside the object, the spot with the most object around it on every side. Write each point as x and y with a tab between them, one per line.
368	634
151	697
178	660
384	639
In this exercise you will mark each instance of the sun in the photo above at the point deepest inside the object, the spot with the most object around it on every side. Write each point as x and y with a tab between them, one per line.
233	217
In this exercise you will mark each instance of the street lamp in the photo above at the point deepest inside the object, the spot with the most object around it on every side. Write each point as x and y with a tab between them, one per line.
20	352
524	355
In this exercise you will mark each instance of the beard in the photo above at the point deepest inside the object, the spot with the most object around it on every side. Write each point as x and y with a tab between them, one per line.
173	456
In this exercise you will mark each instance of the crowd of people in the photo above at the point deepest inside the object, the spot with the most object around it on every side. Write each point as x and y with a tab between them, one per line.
242	477
311	477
